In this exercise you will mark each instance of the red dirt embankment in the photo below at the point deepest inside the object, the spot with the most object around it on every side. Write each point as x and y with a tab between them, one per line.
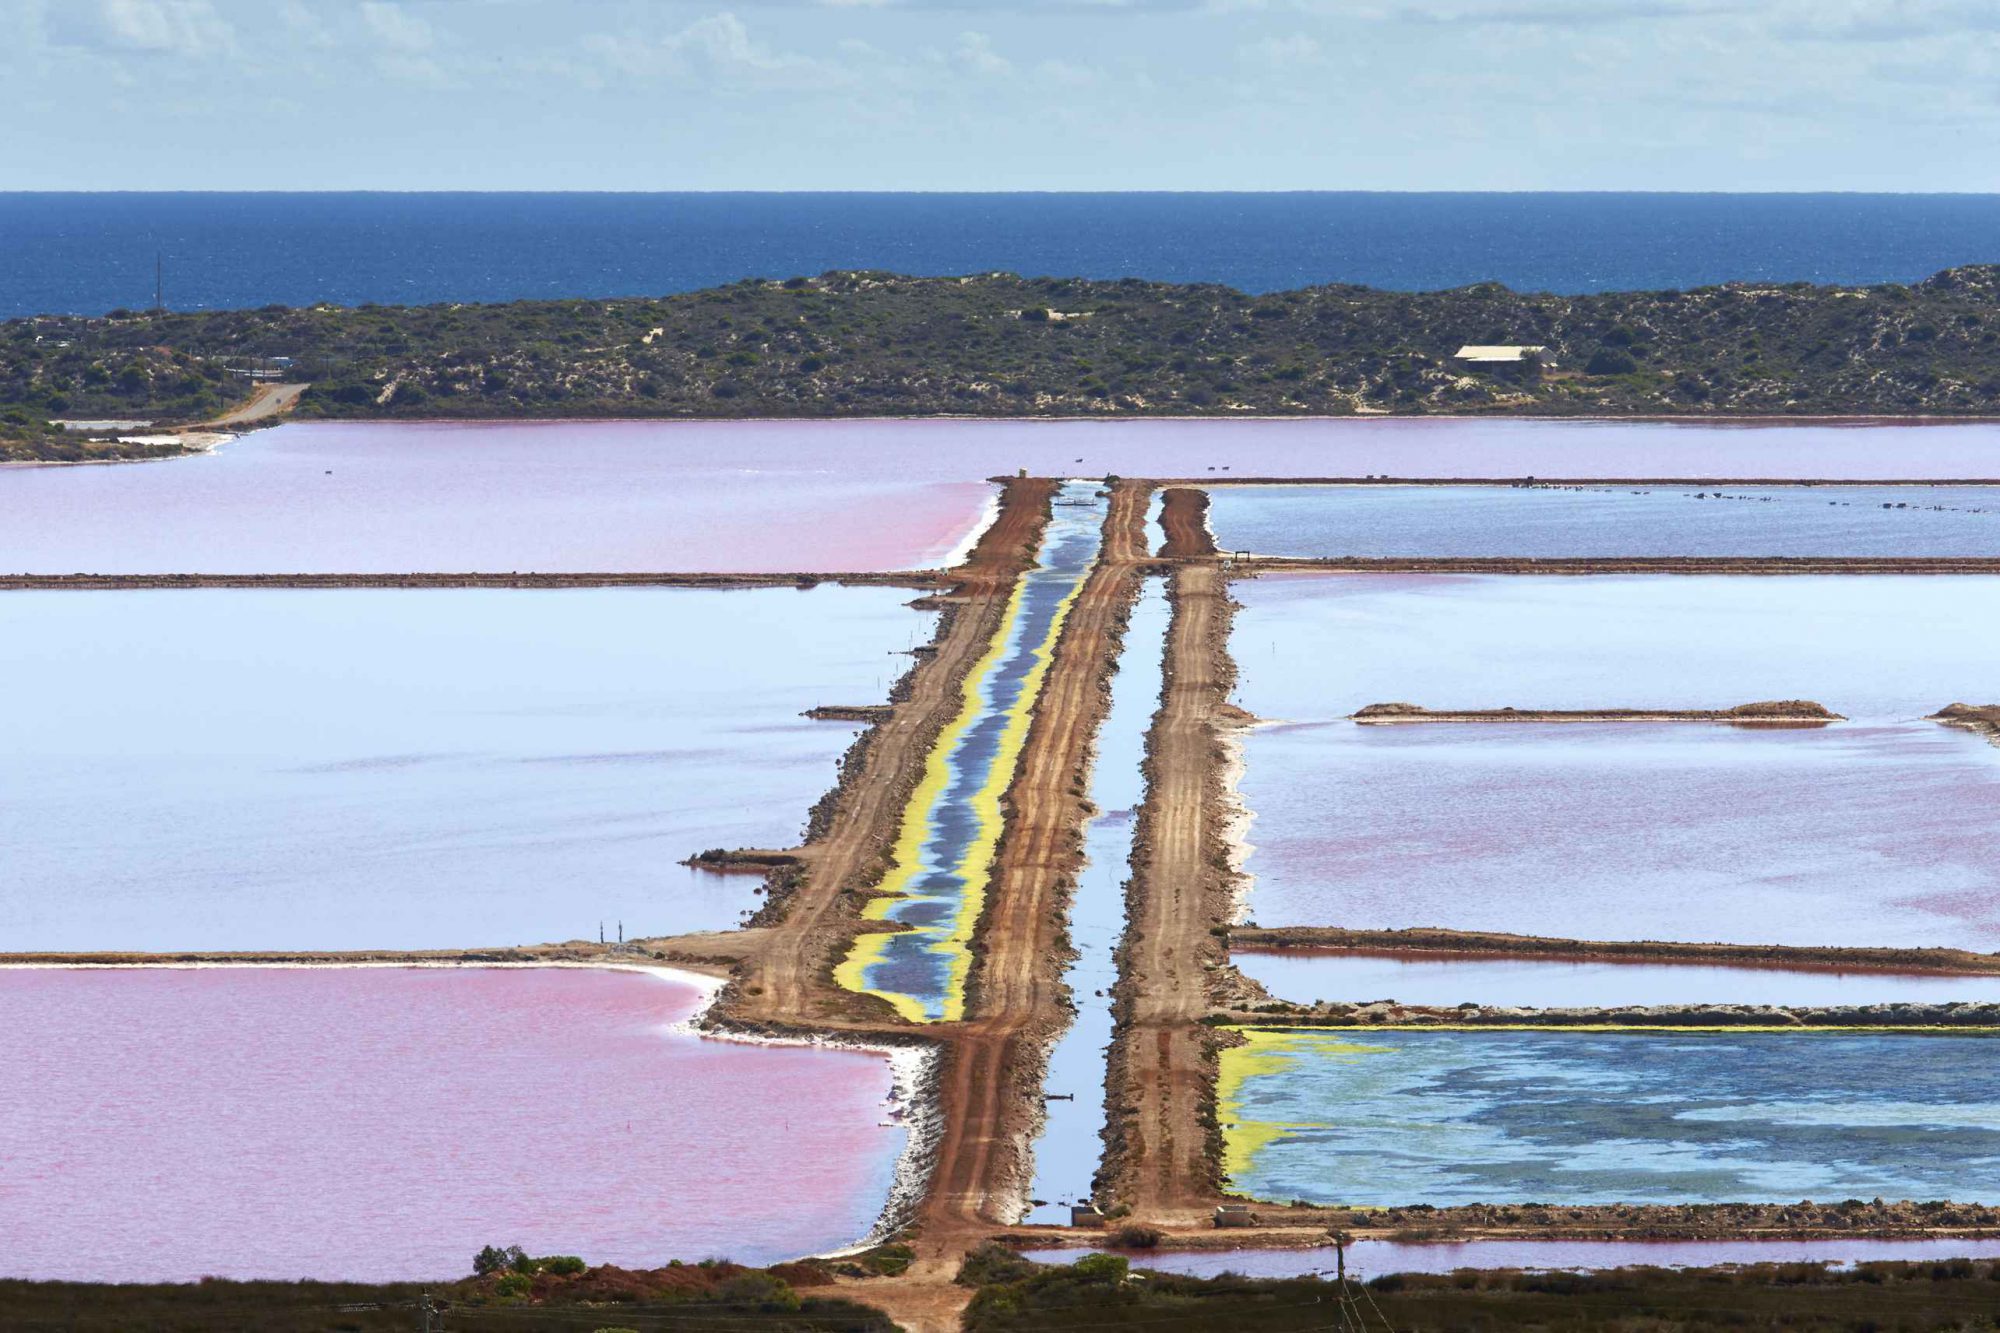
1981	718
1184	517
1016	1004
1777	712
1160	1158
783	975
1470	943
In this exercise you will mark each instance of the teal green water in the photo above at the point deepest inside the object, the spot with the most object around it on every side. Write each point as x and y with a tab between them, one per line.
1443	1118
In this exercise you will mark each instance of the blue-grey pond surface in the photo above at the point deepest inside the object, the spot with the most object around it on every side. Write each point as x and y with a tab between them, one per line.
1304	976
1681	519
254	769
1070	1145
1395	1118
1867	832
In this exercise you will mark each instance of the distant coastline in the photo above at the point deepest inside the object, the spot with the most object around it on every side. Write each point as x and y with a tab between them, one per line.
878	345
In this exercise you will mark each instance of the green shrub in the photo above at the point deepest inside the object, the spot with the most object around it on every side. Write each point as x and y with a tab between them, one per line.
1102	1268
758	1289
1133	1236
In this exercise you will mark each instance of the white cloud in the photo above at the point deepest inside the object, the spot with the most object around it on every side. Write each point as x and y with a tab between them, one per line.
1290	52
975	53
191	29
395	27
719	50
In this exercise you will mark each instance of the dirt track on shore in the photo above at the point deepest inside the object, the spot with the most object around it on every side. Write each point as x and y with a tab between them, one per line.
1475	943
1160	1159
1782	713
1184	517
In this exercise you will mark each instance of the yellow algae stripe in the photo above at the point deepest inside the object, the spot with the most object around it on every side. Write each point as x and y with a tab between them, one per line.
1265	1051
919	821
975	863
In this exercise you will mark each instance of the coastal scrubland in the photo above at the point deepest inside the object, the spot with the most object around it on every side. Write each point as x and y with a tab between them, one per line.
861	343
522	1294
1098	1293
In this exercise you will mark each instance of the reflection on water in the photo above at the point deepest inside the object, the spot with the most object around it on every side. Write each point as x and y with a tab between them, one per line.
1852	834
1385	1118
1374	1258
1070	1145
159	1125
1606	520
257	769
1446	980
943	859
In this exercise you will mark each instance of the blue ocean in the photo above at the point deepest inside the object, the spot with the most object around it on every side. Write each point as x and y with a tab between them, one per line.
88	253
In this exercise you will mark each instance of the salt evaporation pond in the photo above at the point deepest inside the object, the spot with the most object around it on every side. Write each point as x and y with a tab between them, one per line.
1865	835
790	495
1395	1118
942	862
232	769
1304	976
1862	833
157	1125
1070	1146
1884	648
1548	522
1375	1258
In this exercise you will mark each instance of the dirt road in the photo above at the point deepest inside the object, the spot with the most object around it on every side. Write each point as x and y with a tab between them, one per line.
1184	516
265	402
786	982
1159	1161
992	1083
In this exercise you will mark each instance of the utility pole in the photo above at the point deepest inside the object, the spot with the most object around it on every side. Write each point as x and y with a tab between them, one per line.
159	282
424	1301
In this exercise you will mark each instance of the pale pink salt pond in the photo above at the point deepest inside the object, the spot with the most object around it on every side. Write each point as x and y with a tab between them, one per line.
794	495
379	1123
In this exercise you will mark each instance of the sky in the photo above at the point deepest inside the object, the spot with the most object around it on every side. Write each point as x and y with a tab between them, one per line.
1892	95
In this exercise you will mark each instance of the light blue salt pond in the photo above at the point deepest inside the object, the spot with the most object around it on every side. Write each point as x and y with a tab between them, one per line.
1444	979
1070	1145
236	769
1681	519
1395	1118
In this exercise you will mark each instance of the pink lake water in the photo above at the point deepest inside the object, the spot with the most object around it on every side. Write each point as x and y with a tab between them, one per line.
785	495
1850	835
1374	1258
1864	832
1445	979
385	1123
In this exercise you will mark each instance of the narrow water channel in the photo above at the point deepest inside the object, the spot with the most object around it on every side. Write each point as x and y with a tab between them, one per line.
943	859
1071	1143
